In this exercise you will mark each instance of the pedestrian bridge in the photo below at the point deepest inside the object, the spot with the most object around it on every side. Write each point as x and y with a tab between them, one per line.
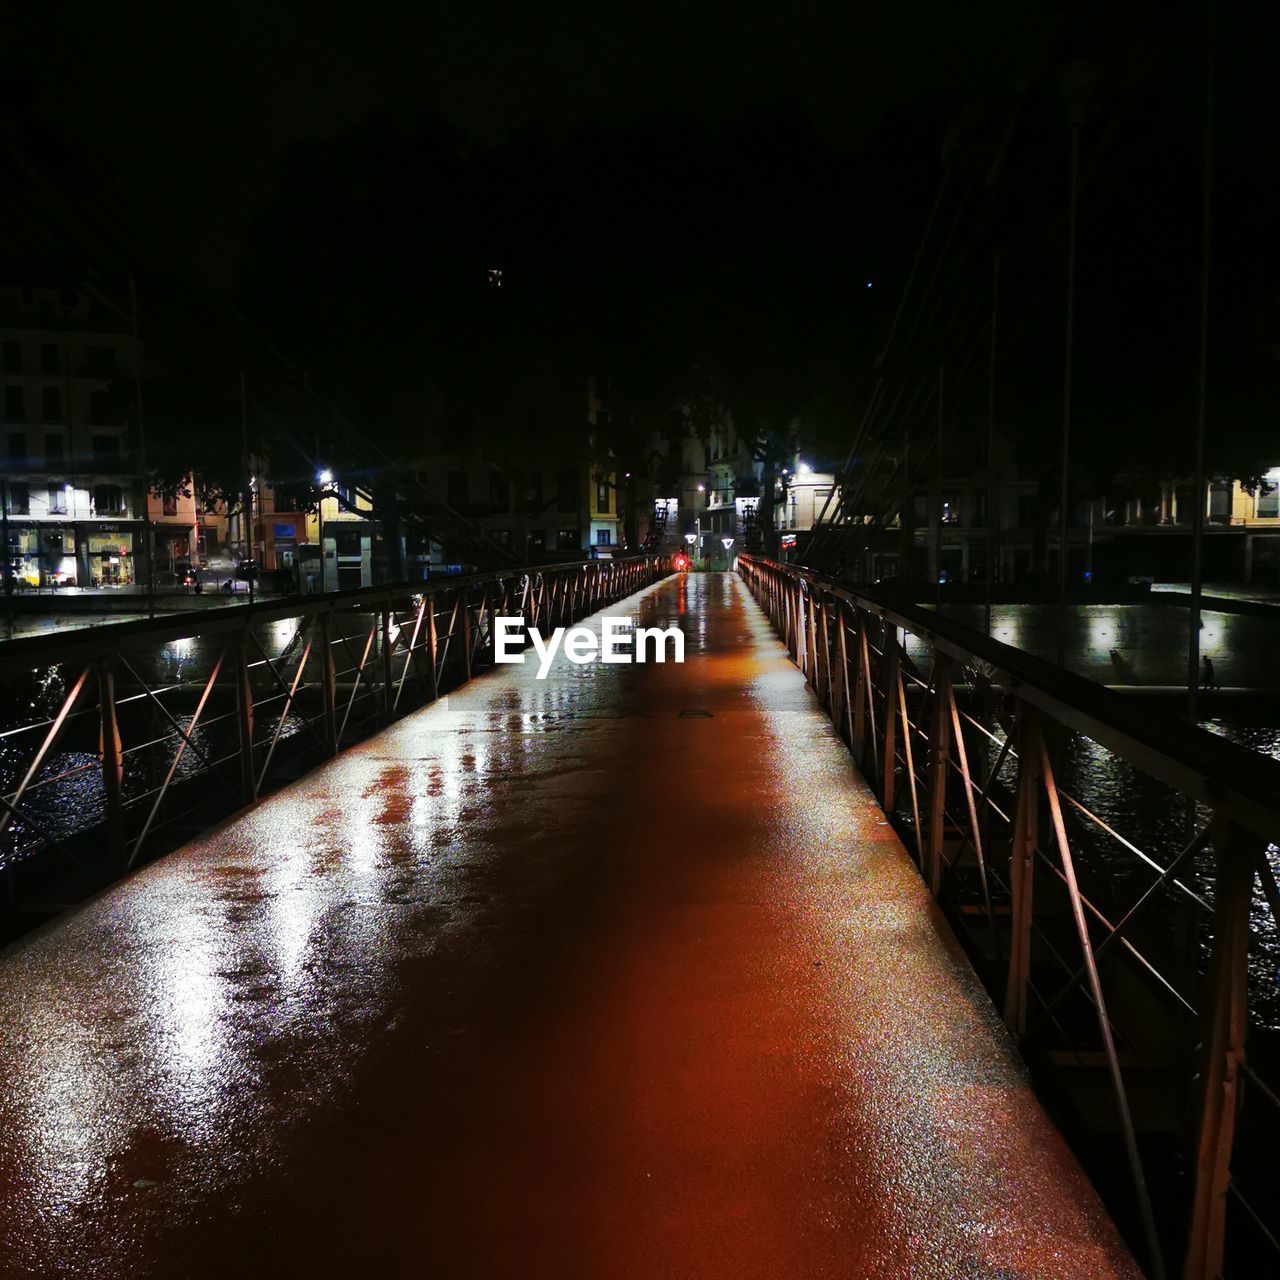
624	972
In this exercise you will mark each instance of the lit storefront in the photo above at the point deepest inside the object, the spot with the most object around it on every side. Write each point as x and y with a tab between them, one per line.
108	559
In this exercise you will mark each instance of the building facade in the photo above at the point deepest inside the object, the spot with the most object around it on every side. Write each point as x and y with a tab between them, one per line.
70	475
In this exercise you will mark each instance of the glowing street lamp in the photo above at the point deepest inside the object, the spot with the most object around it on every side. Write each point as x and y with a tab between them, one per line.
324	478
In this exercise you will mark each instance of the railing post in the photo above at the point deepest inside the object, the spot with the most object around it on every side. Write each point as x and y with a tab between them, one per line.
465	610
387	676
859	698
939	767
329	679
839	673
244	720
811	666
433	643
111	752
889	674
1025	836
1224	1013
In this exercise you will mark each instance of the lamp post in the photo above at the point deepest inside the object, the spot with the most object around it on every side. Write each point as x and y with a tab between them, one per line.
690	538
325	478
726	543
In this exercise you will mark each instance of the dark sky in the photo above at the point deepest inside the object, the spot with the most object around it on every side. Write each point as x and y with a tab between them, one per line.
186	109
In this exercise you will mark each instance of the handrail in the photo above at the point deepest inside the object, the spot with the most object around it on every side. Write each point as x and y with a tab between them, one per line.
390	648
22	652
965	759
1203	765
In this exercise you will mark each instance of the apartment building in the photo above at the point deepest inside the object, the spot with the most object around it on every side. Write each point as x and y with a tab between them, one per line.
69	474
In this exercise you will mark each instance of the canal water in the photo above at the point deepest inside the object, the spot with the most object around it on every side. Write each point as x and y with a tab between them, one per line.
1141	650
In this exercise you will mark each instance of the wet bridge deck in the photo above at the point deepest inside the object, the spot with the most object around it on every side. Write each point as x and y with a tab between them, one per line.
617	974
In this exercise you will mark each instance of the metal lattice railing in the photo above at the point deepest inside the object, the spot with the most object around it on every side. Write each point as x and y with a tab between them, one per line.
154	729
1120	958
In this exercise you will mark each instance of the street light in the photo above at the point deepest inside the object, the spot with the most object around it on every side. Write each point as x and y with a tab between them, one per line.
726	543
324	478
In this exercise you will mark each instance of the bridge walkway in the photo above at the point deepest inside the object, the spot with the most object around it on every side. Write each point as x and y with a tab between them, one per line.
617	974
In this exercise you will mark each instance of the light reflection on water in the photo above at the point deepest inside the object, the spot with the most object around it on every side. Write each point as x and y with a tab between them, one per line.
1158	822
177	671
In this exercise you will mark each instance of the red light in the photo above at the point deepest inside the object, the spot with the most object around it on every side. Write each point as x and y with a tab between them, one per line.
682	562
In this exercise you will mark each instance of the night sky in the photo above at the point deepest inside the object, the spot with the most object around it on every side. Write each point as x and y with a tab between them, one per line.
187	109
687	201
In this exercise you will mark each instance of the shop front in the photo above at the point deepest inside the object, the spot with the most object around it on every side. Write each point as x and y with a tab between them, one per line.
106	556
42	555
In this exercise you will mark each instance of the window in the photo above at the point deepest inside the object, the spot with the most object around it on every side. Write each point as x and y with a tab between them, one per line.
108	500
100	406
604	538
19	499
1269	498
537	539
1220	500
51	404
50	361
458	489
287	497
170	504
17	446
567	491
1185	508
501	536
14	408
11	361
101	361
57	500
533	491
106	450
602	494
567	540
54	450
499	499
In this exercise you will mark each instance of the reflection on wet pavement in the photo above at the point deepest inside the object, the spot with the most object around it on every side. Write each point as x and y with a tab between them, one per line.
617	974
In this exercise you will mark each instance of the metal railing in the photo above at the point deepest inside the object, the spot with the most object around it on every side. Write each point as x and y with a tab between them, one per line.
163	726
1120	957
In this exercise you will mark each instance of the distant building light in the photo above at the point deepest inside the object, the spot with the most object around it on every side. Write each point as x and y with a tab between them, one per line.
803	469
495	277
702	488
325	477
